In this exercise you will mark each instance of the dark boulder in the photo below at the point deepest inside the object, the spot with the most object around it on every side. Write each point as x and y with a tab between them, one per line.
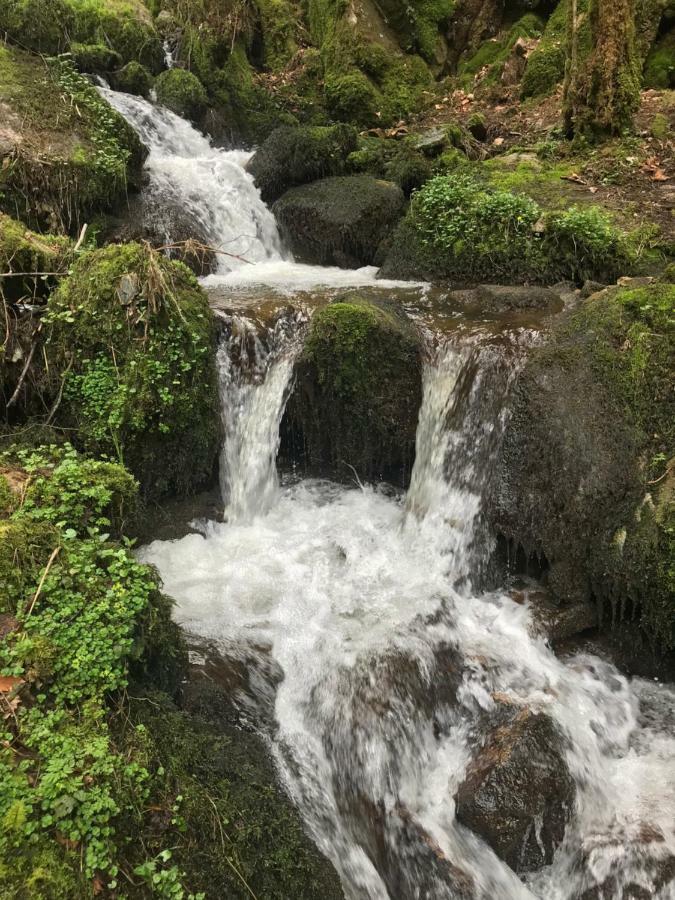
297	155
339	221
518	793
358	389
584	480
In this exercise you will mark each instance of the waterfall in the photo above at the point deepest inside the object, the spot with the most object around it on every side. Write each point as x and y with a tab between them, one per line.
212	190
254	373
393	655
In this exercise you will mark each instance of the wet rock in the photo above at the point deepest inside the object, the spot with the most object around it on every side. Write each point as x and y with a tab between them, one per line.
640	870
297	155
499	298
518	793
358	388
339	221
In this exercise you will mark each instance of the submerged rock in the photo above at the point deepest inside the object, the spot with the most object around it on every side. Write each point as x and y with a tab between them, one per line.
339	221
518	793
297	155
358	389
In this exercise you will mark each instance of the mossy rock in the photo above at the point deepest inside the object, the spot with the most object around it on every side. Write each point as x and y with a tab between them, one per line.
292	156
64	152
130	336
352	98
58	26
241	835
410	169
593	422
94	59
133	78
659	70
358	389
182	93
339	221
463	230
546	64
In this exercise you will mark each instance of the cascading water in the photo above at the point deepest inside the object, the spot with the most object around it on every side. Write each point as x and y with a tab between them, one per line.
212	188
392	659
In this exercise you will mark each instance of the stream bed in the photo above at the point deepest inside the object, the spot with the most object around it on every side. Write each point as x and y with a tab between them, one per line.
377	648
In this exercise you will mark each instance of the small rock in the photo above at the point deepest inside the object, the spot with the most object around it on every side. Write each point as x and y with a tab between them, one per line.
432	141
128	288
518	793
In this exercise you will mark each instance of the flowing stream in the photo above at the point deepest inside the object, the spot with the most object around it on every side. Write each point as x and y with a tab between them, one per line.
367	619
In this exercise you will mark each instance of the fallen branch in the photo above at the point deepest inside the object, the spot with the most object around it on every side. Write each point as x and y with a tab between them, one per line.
17	390
55	553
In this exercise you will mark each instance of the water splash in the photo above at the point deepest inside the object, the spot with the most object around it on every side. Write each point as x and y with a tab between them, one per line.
389	670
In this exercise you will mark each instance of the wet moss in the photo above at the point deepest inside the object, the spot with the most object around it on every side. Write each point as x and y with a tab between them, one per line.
182	93
130	336
133	78
355	406
68	153
546	64
54	26
297	155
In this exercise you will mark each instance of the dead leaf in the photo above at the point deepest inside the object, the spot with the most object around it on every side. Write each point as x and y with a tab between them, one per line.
576	179
659	175
9	683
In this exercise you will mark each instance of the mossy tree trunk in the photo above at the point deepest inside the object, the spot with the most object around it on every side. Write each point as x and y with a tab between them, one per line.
602	91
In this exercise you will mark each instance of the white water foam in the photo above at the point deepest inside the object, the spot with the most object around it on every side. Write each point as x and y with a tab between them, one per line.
357	595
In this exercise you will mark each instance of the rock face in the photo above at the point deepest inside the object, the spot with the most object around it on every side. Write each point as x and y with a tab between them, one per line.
518	793
292	156
584	482
358	389
339	221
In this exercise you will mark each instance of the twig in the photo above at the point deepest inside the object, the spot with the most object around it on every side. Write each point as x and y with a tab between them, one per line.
59	397
22	377
55	553
669	468
81	238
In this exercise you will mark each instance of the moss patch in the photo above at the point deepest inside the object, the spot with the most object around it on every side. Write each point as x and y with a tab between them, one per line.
659	70
66	152
131	335
358	393
546	64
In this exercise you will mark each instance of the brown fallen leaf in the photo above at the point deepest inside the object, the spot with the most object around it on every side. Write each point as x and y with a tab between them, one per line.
577	179
8	683
659	175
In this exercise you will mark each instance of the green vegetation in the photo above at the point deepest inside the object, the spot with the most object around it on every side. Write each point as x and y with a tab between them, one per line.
363	361
133	78
492	54
659	70
352	98
466	230
130	333
55	26
76	156
292	156
181	92
546	65
633	341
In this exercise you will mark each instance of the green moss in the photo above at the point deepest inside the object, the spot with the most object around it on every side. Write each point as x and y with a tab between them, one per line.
465	230
659	70
77	155
359	392
95	59
133	78
181	92
352	98
410	169
280	24
493	53
660	127
633	340
56	26
546	64
297	155
23	251
131	335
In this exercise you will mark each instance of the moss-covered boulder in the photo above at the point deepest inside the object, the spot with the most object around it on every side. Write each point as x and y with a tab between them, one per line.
358	389
546	64
659	70
339	221
64	152
58	26
94	59
586	470
292	156
462	230
133	78
182	93
130	342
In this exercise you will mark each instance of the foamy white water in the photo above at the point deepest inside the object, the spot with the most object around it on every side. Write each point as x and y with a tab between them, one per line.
360	599
213	188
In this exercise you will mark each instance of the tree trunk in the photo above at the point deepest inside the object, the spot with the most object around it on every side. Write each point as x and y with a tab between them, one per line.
603	91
